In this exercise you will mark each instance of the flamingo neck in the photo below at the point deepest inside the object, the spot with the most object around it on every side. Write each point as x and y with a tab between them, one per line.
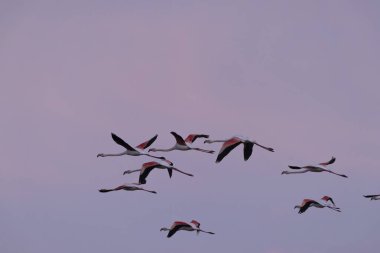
130	171
212	141
119	154
162	149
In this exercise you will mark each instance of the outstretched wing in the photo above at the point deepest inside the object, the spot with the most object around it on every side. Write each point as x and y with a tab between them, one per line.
196	223
305	205
332	160
192	137
120	141
170	171
178	138
146	144
178	225
371	196
227	147
327	198
248	146
295	167
145	170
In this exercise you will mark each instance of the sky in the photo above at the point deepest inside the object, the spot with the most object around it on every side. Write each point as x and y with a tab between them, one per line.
299	76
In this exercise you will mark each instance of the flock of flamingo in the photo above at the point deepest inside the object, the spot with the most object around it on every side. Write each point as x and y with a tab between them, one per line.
227	146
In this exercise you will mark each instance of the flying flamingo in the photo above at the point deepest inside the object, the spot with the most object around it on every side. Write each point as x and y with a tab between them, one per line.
306	203
192	137
372	197
180	145
180	225
230	144
146	168
313	168
131	151
127	187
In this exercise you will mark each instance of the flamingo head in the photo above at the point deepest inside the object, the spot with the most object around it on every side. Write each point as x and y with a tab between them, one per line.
207	141
152	150
101	155
284	172
127	172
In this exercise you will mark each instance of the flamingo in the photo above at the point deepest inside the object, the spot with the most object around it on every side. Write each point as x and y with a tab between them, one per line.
146	168
232	143
131	151
127	187
327	199
306	203
313	168
192	137
180	225
372	197
180	145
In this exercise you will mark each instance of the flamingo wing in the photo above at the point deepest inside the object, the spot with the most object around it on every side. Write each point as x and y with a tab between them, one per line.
327	198
371	196
105	190
332	160
227	147
178	138
248	146
196	223
170	171
145	170
295	167
192	137
120	141
306	204
178	225
146	144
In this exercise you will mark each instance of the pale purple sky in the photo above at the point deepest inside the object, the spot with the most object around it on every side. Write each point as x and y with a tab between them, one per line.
300	76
